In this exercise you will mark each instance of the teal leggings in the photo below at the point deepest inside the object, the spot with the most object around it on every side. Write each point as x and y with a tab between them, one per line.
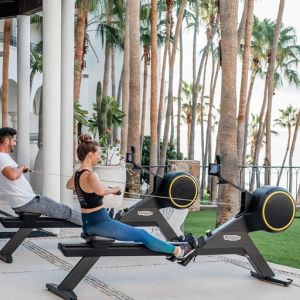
100	223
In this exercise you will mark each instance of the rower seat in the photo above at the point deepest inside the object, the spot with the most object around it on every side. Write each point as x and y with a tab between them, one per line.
97	241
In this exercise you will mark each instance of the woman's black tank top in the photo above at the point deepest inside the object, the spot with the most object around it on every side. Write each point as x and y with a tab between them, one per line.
86	200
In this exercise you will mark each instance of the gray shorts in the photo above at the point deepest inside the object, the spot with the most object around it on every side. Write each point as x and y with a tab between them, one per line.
48	207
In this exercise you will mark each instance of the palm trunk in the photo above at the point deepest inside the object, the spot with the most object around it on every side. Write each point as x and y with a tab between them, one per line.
292	152
119	94
228	126
179	93
106	70
270	83
170	91
113	87
153	100
247	118
260	135
244	83
285	155
5	71
125	84
194	57
242	22
202	111
144	105
208	147
162	81
196	89
40	125
172	124
134	90
81	24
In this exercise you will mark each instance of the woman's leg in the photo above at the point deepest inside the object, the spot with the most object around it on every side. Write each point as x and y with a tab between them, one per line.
123	232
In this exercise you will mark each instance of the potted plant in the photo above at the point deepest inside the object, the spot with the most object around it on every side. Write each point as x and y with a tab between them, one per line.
111	170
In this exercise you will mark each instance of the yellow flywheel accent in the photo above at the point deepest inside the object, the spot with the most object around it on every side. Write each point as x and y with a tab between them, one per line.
189	203
264	211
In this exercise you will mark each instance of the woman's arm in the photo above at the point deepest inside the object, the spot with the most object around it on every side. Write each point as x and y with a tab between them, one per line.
98	188
70	184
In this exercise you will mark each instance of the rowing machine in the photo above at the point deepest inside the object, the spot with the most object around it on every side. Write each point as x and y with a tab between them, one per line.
178	190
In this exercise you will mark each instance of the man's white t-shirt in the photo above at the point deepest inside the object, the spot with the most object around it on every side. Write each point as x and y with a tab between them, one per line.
17	192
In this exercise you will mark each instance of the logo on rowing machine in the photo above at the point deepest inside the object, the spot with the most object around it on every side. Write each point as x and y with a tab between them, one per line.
145	213
232	237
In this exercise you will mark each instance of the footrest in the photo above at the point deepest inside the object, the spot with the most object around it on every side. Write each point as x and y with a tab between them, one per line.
97	241
284	282
65	294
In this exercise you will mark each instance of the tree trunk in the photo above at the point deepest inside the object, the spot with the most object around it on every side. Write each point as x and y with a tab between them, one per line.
196	28
113	87
244	82
242	22
202	110
172	124
125	84
153	100
285	155
40	126
228	125
260	135
80	30
196	89
162	80
207	154
144	105
270	83
179	93
292	152
134	90
106	70
170	91
119	94
247	118
5	71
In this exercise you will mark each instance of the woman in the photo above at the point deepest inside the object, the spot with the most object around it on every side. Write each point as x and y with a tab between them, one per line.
96	221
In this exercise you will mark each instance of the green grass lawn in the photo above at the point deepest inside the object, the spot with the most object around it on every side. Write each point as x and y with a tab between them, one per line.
281	248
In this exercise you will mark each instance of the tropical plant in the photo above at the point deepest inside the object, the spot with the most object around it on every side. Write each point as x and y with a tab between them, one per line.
287	119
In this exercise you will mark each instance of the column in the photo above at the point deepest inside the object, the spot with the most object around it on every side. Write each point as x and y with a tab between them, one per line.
51	97
23	90
67	102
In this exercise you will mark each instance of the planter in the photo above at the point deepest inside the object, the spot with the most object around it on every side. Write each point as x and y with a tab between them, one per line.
111	176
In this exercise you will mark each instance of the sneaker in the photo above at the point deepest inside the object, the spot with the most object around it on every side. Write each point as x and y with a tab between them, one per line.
186	251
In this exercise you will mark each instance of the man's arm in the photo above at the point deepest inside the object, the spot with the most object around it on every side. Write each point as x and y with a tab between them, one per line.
12	173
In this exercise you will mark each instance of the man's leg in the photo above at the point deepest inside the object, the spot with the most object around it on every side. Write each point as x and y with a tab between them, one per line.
50	208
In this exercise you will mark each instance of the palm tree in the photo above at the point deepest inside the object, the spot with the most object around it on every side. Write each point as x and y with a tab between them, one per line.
179	91
5	71
84	7
134	87
209	13
169	7
297	124
287	57
244	82
153	100
287	120
271	72
125	83
186	108
227	128
170	90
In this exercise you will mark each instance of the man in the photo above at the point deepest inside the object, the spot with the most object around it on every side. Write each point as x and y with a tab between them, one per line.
15	188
